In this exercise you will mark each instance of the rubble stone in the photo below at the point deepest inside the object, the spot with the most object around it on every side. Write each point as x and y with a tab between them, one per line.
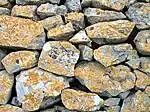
4	11
86	3
10	108
113	109
73	5
147	90
112	101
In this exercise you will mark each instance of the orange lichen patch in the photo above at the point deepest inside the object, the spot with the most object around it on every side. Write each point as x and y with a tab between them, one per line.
10	108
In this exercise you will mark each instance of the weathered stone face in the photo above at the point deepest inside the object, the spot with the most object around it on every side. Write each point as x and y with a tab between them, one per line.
114	54
3	53
147	90
112	101
6	84
17	61
95	15
86	3
4	11
139	13
110	32
33	84
59	57
4	3
10	108
21	33
81	101
73	5
139	102
142	42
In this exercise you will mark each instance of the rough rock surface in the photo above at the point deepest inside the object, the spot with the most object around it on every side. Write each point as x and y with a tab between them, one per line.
81	101
112	101
73	5
6	84
33	84
140	14
3	53
142	42
147	90
110	32
113	109
4	11
114	54
20	60
10	108
21	33
95	15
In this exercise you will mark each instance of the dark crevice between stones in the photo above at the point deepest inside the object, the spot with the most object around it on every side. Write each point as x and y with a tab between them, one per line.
62	2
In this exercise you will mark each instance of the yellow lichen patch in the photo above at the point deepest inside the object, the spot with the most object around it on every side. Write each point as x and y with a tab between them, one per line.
10	108
147	90
73	16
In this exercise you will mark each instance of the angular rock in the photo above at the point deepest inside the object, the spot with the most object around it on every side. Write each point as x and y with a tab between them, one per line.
123	95
142	64
73	5
5	3
147	90
118	5
95	15
80	38
77	19
139	13
63	32
59	57
142	80
21	33
20	60
24	2
86	53
6	84
46	10
4	11
27	11
110	32
142	42
52	22
15	102
114	54
10	108
113	109
81	101
3	53
138	102
112	102
86	3
34	84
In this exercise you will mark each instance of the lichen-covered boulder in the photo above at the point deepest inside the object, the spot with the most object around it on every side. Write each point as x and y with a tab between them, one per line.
20	60
59	57
21	33
81	101
10	108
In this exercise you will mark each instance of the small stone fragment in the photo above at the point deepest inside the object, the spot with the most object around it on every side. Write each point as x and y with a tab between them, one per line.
4	11
86	53
139	13
20	60
6	84
86	3
113	109
21	33
95	15
52	22
63	32
142	80
73	5
15	102
34	84
59	57
112	101
138	102
81	101
142	42
3	53
27	11
77	19
80	38
10	108
114	54
147	90
46	10
110	32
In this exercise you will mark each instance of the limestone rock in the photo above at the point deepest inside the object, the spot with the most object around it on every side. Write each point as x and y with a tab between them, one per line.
33	84
10	108
63	32
147	90
114	54
110	32
3	53
20	60
113	109
21	33
86	3
81	101
45	10
77	19
52	22
80	38
4	11
138	102
59	57
6	84
95	15
112	101
139	13
73	5
27	11
142	80
86	53
142	42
